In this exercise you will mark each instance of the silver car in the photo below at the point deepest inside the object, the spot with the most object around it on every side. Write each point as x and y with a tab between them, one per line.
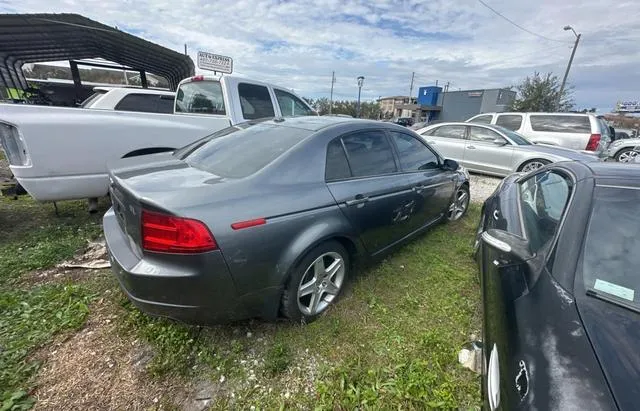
494	150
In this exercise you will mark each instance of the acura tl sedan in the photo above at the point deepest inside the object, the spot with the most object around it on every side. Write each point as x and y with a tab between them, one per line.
264	219
559	253
494	150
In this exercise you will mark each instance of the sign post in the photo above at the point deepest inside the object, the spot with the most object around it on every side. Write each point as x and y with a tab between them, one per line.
215	62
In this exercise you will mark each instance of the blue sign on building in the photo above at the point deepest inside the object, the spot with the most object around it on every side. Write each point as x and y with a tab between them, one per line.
428	96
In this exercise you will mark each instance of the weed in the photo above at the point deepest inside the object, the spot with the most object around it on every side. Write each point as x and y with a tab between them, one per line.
277	359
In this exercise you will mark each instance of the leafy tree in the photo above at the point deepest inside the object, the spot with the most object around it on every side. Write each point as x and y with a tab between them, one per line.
348	107
542	93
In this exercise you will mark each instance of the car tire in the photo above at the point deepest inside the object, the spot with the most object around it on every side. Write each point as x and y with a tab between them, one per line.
625	155
460	204
534	164
316	282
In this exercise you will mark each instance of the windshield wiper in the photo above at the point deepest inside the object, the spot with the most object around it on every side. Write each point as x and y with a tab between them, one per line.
591	292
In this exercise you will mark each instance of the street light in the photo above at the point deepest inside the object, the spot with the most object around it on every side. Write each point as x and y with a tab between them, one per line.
360	82
566	73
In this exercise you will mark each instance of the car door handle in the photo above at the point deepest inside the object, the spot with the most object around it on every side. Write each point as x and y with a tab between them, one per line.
471	147
418	188
358	200
496	215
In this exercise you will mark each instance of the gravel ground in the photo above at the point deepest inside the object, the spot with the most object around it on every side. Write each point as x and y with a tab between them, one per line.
482	187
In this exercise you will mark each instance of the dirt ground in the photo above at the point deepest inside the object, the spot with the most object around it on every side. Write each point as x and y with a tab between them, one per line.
482	187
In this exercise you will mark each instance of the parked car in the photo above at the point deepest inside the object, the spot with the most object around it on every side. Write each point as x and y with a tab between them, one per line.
268	218
404	121
623	150
130	99
558	253
60	153
576	131
493	149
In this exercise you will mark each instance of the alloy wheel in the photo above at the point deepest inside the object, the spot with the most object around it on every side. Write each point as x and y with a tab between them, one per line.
321	283
627	156
459	205
533	165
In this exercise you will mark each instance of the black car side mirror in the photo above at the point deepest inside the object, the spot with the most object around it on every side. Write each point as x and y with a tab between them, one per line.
450	165
508	243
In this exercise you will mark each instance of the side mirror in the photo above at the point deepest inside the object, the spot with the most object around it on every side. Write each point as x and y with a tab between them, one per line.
499	142
450	165
508	243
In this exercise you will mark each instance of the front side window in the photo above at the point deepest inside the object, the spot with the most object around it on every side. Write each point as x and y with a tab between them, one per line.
560	123
543	198
611	254
200	97
292	106
369	154
509	121
413	154
484	135
337	167
456	132
255	101
486	119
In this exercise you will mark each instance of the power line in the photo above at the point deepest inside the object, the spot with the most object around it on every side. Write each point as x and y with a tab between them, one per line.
517	25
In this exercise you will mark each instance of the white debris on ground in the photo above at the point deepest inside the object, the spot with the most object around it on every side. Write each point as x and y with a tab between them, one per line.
482	187
470	356
94	256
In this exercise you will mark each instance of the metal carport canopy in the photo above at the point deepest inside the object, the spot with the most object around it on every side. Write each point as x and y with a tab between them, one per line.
31	38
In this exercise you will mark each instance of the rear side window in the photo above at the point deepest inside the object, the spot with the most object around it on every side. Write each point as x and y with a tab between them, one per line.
560	124
291	106
337	165
456	132
509	121
543	198
255	101
165	104
148	103
482	119
200	97
92	99
413	154
243	152
369	153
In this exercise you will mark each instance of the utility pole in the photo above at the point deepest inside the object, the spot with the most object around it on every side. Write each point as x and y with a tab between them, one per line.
573	53
360	83
185	49
413	74
333	80
444	93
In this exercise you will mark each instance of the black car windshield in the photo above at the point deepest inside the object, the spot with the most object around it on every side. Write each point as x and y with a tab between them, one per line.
513	136
611	256
238	152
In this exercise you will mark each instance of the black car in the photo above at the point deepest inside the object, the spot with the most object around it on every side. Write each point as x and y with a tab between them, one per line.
559	252
404	121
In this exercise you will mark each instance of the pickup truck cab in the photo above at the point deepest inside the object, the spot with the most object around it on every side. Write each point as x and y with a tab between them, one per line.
61	153
130	99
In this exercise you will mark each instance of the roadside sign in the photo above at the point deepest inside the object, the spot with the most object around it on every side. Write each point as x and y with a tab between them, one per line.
215	62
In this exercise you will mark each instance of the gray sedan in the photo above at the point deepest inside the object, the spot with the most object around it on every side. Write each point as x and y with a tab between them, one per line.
493	149
269	218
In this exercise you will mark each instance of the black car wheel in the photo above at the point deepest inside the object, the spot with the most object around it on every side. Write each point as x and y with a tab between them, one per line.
316	282
459	205
626	155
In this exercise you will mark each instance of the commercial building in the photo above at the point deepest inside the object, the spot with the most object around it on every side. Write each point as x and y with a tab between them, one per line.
432	103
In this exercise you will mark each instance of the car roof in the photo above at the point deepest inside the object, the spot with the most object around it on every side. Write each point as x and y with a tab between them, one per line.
610	169
316	123
536	113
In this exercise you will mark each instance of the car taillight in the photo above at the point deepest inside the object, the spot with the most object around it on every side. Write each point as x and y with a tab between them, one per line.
13	145
197	78
170	234
593	143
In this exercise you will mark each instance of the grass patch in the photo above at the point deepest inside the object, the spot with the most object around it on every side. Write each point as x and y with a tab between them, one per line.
35	238
277	359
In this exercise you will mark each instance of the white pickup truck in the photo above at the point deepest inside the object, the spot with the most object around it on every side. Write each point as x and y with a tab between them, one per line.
131	99
59	153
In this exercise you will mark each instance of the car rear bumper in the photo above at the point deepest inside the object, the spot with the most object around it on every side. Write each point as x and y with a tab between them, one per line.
196	289
64	187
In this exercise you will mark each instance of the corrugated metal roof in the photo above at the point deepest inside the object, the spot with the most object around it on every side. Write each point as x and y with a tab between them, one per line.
30	38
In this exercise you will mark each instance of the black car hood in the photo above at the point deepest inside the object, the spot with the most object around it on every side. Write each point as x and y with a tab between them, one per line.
614	333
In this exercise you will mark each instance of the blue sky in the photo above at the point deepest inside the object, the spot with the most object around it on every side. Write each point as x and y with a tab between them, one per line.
299	43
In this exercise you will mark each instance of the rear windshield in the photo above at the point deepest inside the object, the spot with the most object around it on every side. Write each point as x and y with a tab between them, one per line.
560	124
238	152
611	256
200	97
92	99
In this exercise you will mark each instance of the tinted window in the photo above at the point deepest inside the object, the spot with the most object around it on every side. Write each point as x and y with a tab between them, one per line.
611	254
560	124
291	106
147	103
245	151
482	119
519	139
204	97
165	104
483	134
255	101
509	121
413	154
543	199
450	131
337	166
369	154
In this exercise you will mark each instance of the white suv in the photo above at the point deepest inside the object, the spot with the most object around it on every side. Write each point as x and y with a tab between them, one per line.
584	132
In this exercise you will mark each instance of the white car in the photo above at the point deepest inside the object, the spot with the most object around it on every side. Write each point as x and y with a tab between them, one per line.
577	131
130	99
494	150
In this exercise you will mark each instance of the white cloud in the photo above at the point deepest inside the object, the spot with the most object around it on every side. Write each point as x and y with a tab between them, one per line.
298	44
